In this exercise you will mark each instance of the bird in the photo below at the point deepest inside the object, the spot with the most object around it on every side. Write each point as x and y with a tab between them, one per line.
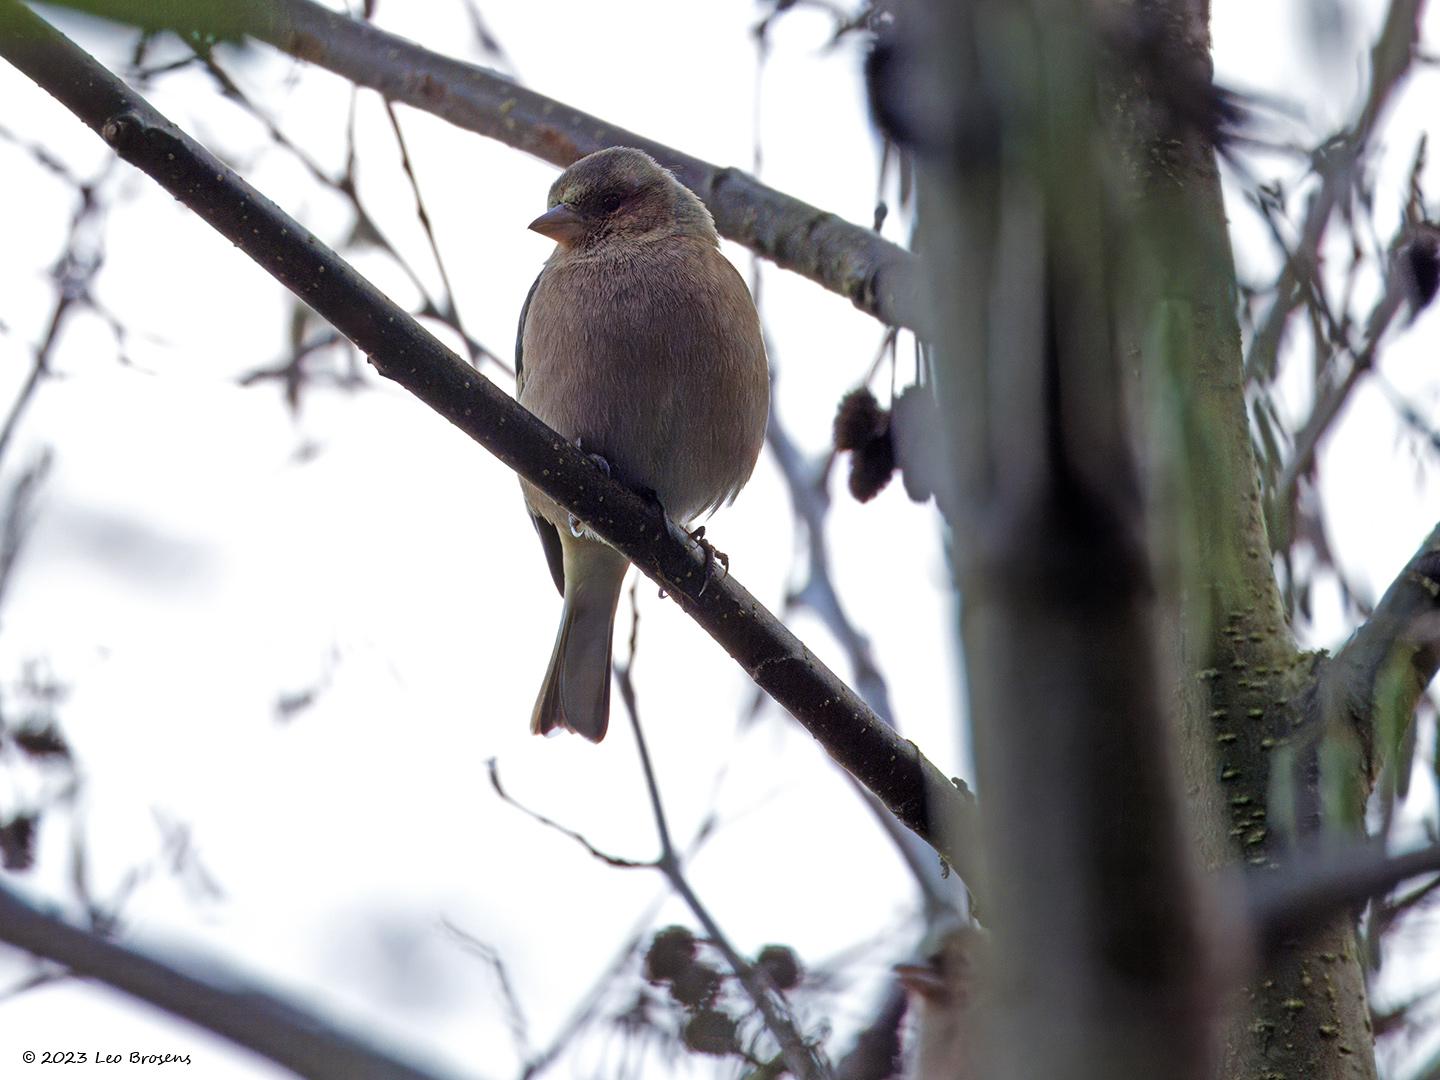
944	986
640	343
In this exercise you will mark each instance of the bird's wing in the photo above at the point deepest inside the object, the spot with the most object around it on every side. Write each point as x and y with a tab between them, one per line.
549	535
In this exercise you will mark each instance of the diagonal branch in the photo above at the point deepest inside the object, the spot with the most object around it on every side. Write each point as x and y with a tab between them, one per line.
400	349
219	1001
1313	889
879	277
1386	665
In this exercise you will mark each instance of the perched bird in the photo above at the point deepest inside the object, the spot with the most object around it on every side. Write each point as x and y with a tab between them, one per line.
944	990
640	343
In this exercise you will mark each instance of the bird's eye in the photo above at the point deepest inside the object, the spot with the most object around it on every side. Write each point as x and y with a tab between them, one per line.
607	202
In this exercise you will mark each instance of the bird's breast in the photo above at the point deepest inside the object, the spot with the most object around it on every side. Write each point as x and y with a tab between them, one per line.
654	359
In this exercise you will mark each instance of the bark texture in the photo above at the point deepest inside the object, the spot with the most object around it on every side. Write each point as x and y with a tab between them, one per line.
1247	695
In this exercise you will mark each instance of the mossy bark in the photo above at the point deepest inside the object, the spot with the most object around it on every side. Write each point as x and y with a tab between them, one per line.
1246	694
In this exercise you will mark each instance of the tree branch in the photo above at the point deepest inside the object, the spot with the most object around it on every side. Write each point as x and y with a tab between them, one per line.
399	348
219	1001
1312	890
879	277
1393	656
800	1058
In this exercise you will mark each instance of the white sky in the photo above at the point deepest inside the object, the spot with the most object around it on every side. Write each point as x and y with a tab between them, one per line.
186	568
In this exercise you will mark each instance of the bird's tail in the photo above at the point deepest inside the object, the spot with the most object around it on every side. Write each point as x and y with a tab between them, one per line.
576	692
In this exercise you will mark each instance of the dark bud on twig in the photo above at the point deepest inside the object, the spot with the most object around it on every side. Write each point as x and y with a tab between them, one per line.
781	965
17	842
41	742
859	420
695	986
863	428
1418	264
670	953
871	469
710	1031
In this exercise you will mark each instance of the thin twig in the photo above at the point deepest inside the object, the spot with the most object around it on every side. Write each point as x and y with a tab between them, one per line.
448	310
800	1057
1330	400
550	823
365	224
1342	154
590	1004
514	1014
73	273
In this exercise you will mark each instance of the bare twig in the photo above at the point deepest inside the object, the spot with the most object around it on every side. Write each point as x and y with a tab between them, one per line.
73	274
808	485
590	1004
449	313
15	526
365	225
514	1014
1330	400
1338	162
799	1056
550	823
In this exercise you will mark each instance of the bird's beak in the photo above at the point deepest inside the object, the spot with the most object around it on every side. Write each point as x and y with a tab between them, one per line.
559	223
922	979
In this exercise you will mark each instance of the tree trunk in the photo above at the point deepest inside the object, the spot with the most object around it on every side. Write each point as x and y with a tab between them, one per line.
1247	694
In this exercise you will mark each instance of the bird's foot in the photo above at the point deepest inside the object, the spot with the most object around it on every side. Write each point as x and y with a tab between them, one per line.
713	555
577	527
598	459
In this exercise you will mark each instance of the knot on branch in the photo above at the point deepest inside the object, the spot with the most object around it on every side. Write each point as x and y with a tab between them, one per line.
123	129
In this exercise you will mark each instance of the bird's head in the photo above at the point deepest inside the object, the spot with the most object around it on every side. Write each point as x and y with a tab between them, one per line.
620	193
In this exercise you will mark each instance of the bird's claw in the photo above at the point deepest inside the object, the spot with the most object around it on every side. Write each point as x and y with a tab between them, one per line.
598	459
712	556
577	527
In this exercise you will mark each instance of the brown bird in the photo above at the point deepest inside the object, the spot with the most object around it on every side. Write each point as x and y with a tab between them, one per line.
639	342
945	990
